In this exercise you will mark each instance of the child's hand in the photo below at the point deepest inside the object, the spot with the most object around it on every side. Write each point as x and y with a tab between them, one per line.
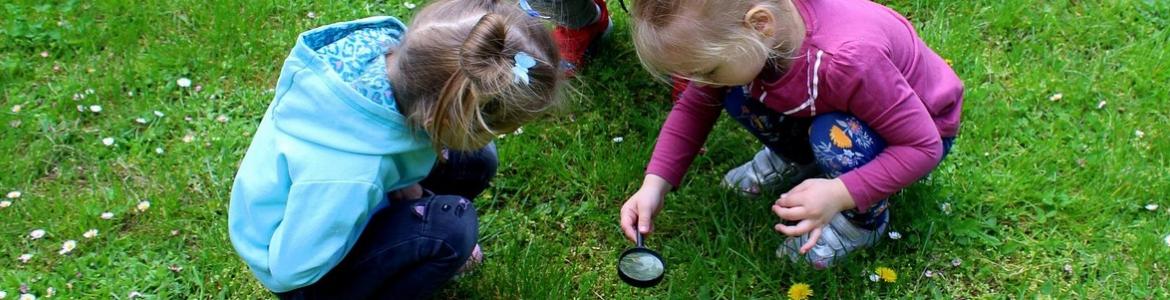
641	208
411	192
814	203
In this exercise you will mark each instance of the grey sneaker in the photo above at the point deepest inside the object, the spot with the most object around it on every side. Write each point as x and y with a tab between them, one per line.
766	171
838	239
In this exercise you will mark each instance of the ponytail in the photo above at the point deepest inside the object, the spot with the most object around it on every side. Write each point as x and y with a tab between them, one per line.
481	58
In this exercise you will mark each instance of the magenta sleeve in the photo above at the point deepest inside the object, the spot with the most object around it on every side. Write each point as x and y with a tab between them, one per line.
879	95
684	132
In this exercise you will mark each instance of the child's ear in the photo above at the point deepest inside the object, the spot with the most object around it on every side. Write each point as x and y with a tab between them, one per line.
761	19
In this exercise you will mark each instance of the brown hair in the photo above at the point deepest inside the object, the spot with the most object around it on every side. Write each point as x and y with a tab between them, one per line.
671	35
452	74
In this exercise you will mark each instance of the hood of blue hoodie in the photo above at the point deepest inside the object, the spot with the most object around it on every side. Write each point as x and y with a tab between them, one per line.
317	99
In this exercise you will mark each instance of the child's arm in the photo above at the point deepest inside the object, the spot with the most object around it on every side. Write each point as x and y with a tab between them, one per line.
884	100
879	95
685	131
680	139
321	221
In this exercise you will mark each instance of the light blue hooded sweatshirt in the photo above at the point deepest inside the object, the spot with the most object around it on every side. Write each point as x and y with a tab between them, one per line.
329	147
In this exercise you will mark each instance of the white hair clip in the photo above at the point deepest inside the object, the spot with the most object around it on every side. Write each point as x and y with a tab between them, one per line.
523	63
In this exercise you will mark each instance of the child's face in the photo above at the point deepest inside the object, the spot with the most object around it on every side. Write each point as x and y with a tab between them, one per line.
731	72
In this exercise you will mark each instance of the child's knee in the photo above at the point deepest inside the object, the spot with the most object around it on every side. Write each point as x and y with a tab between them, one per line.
841	142
455	222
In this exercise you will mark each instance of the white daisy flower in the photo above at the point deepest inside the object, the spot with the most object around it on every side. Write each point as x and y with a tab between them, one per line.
894	235
945	207
519	131
1167	240
5	204
108	141
27	297
67	247
143	206
1101	104
1056	97
874	277
140	120
95	108
956	262
44	53
36	234
14	194
78	96
16	108
89	234
107	215
24	258
619	139
134	294
190	137
1139	134
49	292
1068	268
158	114
159	150
3	294
409	5
221	118
81	108
311	15
928	273
183	82
1151	207
89	91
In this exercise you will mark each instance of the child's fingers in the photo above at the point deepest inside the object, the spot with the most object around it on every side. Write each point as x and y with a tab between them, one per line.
790	213
645	219
791	199
797	230
628	221
804	185
812	240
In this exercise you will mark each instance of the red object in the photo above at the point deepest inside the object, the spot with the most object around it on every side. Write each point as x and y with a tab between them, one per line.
574	43
680	85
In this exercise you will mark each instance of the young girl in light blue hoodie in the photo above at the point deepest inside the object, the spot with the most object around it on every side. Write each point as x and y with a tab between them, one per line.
359	179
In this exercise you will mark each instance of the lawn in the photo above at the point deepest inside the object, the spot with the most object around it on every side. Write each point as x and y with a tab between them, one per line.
1051	190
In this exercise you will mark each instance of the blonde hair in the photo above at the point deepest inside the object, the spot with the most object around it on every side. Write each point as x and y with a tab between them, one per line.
452	74
671	35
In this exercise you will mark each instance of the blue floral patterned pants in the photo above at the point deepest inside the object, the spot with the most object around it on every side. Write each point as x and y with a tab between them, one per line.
836	142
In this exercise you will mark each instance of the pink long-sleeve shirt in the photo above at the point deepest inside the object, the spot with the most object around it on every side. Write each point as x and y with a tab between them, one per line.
857	57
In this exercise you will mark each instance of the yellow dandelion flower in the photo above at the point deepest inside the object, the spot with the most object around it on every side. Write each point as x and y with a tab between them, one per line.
887	274
839	138
799	291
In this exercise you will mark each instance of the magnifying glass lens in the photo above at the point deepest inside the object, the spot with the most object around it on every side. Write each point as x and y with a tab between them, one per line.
642	266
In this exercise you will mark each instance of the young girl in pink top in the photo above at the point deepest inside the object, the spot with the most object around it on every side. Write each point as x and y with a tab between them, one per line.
843	88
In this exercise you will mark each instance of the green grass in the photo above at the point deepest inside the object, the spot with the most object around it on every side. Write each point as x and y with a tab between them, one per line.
1033	185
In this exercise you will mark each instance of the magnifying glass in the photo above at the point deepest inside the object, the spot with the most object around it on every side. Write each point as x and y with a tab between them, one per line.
641	267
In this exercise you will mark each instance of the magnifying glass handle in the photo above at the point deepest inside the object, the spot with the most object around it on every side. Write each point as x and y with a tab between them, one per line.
638	235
